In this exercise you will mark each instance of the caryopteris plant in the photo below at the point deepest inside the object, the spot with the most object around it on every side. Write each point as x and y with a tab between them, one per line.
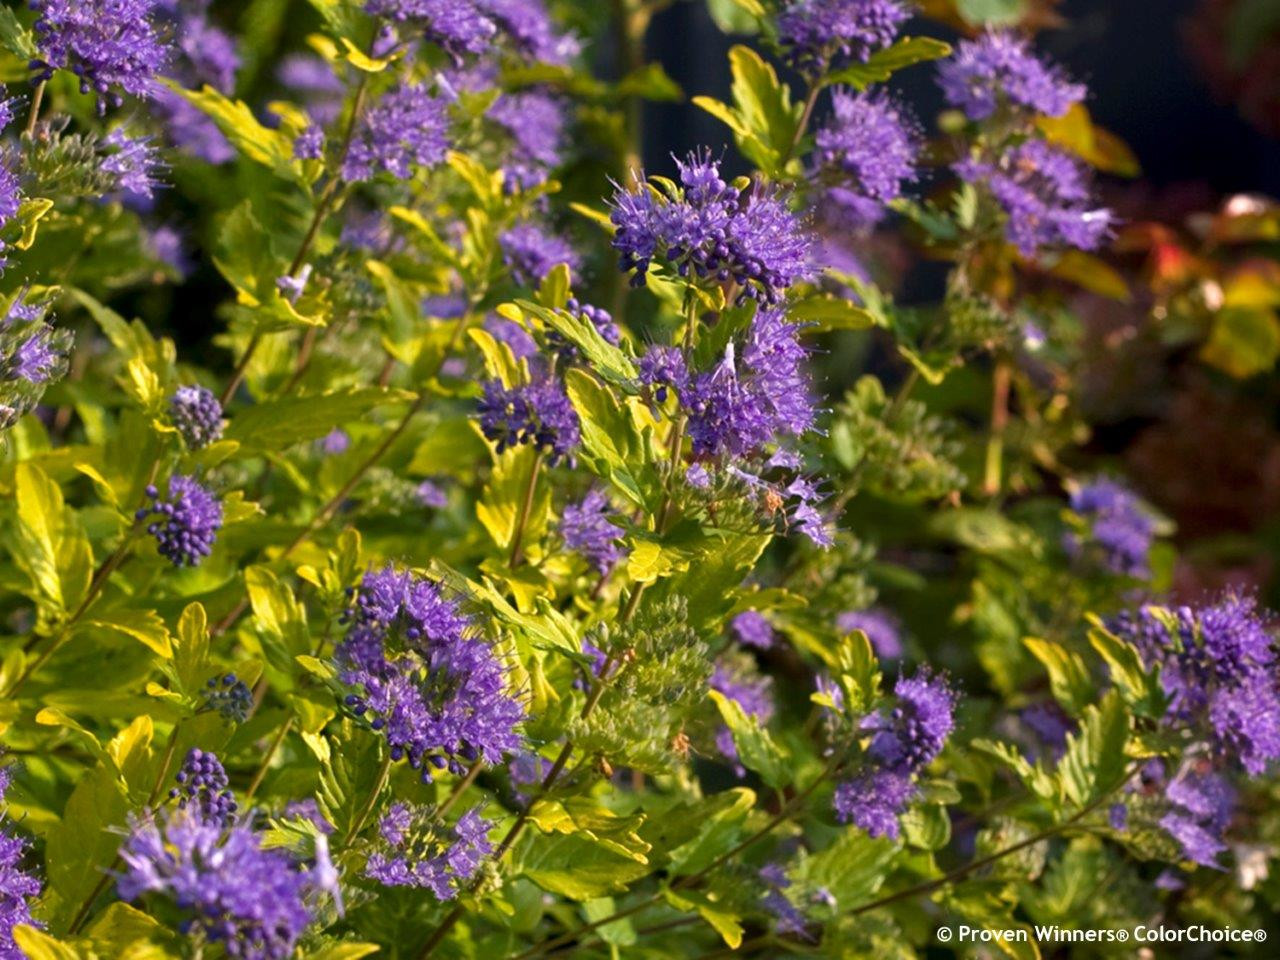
549	556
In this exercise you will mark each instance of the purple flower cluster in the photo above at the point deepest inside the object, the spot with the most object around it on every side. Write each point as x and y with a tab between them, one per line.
751	629
737	679
230	696
788	918
188	520
536	121
881	627
206	55
111	45
203	787
1201	804
32	354
131	164
407	127
999	69
10	186
1120	526
470	26
866	152
17	887
587	528
457	26
1045	195
420	854
197	414
738	407
229	889
710	229
532	251
1218	668
902	744
436	690
816	32
538	413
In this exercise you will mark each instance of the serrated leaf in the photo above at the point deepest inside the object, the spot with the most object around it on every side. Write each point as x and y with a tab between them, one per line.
575	866
757	751
849	870
1068	675
1095	756
883	64
718	821
142	625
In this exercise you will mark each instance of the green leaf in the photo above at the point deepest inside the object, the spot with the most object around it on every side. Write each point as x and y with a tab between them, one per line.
1095	757
764	105
850	870
52	546
606	359
235	119
583	816
1035	778
756	749
824	313
1243	341
503	498
718	820
612	444
885	63
985	12
737	16
1068	675
575	866
1140	687
720	916
277	424
142	625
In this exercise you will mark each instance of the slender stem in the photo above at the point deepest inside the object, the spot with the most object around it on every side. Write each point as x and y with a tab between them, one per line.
37	98
384	772
261	773
806	114
999	423
460	788
526	507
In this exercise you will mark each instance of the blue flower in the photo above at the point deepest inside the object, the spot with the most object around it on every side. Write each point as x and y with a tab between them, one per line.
197	414
1000	68
188	520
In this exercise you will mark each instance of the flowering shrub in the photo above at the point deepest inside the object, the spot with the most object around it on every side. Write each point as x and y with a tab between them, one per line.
520	572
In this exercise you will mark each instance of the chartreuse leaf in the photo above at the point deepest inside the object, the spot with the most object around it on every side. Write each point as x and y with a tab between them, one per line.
575	866
583	816
247	261
38	945
276	424
720	916
606	359
612	442
756	749
763	118
52	547
503	498
142	625
1035	778
235	119
499	361
1095	756
1068	675
883	64
1140	686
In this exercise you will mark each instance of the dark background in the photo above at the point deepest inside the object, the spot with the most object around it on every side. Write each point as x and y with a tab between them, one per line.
1133	54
